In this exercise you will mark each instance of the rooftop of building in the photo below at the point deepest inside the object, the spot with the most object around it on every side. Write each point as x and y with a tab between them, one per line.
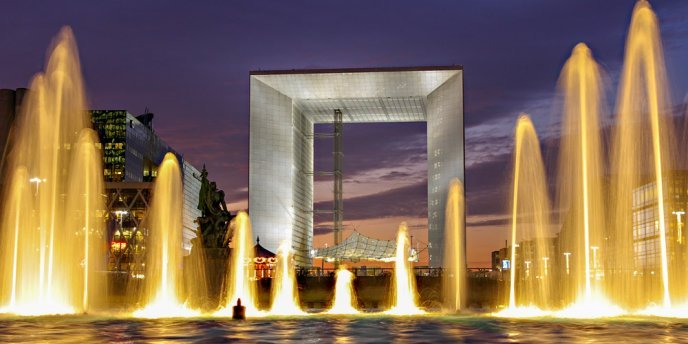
394	94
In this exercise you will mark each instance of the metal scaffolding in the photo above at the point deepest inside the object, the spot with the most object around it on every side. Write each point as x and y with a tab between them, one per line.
338	156
337	173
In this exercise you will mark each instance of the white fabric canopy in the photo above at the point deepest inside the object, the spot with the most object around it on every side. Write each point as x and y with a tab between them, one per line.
359	247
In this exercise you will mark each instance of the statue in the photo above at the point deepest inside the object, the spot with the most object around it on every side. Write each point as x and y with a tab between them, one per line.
214	219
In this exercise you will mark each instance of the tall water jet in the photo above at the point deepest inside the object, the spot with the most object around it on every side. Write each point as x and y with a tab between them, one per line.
344	295
163	283
20	194
285	296
45	269
530	246
581	200
642	150
240	285
454	274
86	202
404	295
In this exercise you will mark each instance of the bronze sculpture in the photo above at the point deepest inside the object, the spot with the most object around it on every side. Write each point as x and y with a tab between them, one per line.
213	223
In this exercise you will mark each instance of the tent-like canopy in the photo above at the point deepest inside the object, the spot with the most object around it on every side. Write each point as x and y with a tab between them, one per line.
262	252
359	247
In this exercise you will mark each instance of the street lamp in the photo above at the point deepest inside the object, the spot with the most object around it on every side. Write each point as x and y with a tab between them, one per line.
567	255
37	181
120	214
679	224
594	259
42	233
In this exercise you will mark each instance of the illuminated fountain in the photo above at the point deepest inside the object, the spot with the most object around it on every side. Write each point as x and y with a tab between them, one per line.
163	282
87	202
240	284
404	295
601	247
581	193
643	146
52	208
344	296
52	244
285	296
530	248
454	274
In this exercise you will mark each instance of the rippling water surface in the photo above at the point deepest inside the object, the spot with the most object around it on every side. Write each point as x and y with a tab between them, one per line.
354	329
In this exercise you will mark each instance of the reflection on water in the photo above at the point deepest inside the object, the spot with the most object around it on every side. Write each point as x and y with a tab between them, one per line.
341	329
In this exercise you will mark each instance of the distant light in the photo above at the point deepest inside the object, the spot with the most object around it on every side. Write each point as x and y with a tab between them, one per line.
119	245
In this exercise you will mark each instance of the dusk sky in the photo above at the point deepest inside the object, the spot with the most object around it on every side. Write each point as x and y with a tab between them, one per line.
189	63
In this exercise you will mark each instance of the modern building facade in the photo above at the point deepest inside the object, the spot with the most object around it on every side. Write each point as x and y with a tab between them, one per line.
10	107
646	245
131	149
285	105
496	260
132	152
127	206
192	188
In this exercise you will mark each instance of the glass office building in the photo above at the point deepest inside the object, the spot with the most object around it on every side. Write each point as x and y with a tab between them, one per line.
646	245
10	108
131	149
132	152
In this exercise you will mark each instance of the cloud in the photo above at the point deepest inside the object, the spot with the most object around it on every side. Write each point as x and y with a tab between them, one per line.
190	65
408	201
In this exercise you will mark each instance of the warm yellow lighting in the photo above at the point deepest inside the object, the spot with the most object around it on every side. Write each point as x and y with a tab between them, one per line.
344	296
521	312
37	181
679	225
594	260
529	219
164	256
659	311
405	296
240	284
165	306
594	306
285	297
49	257
454	272
643	101
37	308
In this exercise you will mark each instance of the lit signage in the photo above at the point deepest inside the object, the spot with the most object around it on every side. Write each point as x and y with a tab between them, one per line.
506	264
